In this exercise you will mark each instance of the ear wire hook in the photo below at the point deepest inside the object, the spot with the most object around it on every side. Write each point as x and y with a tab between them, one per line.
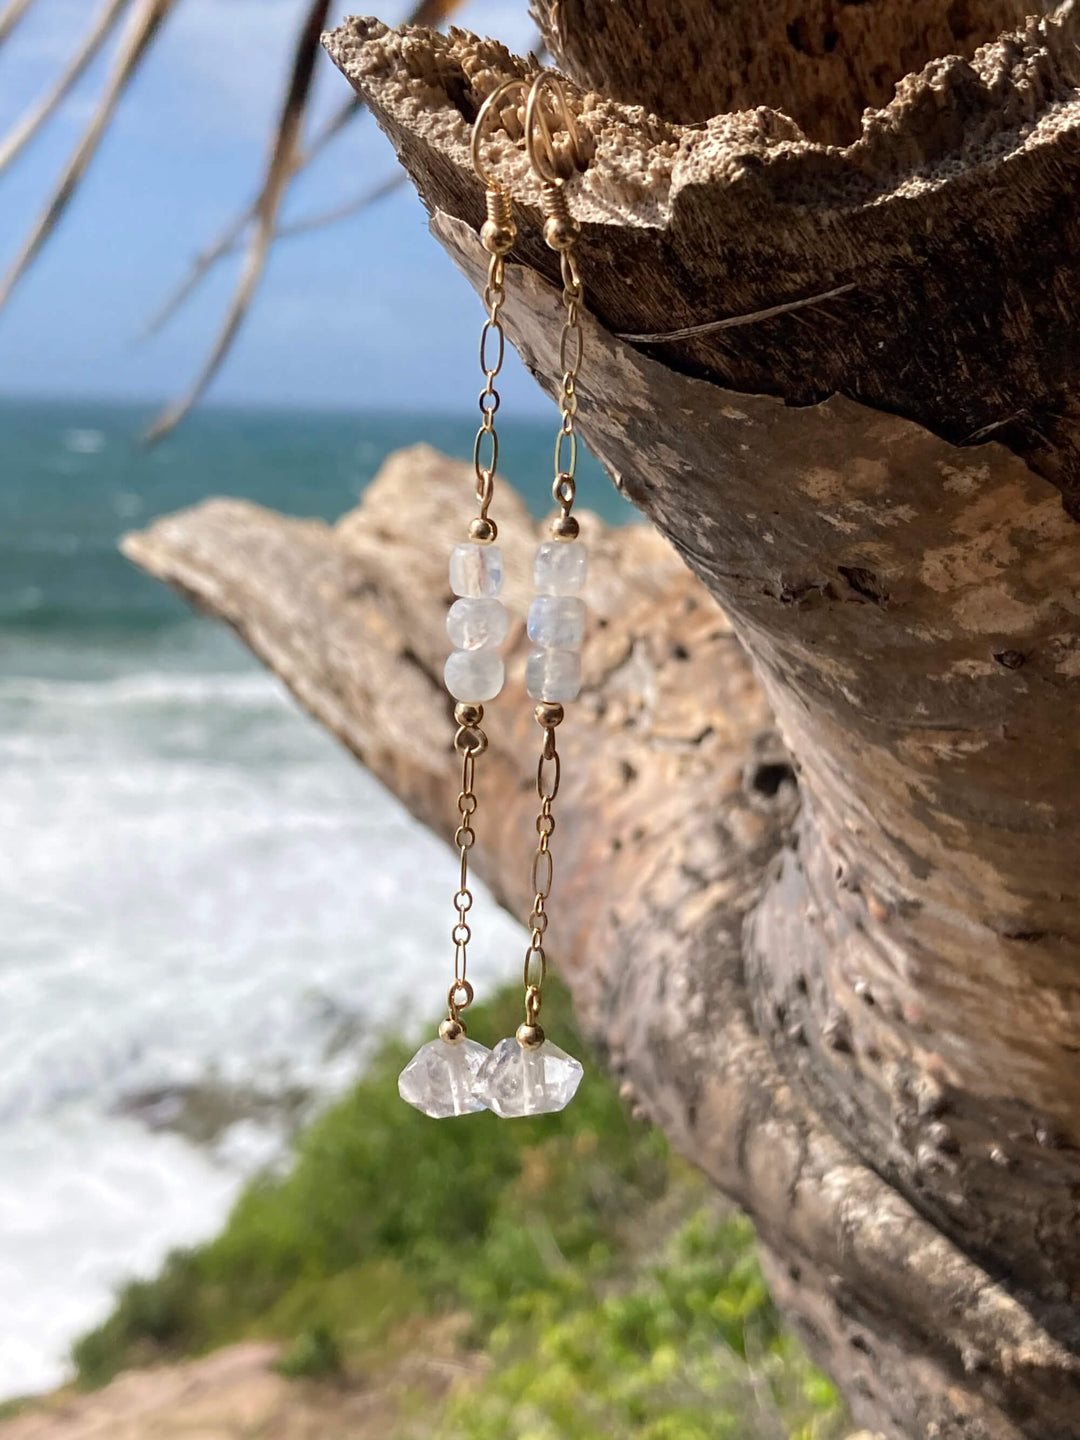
484	174
536	124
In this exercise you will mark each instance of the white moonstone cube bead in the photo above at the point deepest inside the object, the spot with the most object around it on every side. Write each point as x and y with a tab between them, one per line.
441	1078
477	623
516	1081
557	622
476	570
559	567
474	675
553	675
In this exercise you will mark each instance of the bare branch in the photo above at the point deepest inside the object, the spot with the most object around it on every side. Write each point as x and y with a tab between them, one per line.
730	322
140	32
227	242
284	164
332	128
346	209
279	172
11	15
27	127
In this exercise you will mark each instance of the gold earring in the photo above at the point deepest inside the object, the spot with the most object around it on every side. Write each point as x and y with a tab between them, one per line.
441	1077
526	1074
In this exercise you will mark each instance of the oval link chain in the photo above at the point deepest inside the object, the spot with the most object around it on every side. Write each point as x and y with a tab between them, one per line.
564	491
497	236
470	740
548	775
571	349
486	448
460	994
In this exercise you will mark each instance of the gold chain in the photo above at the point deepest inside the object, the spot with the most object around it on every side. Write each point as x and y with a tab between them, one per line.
548	774
470	741
560	233
571	347
486	448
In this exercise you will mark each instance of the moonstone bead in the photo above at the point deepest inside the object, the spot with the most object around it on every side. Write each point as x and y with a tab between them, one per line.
553	674
474	675
441	1078
477	624
476	570
559	567
517	1081
556	622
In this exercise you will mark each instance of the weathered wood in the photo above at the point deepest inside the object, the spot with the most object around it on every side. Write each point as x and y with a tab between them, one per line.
958	320
861	1019
820	61
676	799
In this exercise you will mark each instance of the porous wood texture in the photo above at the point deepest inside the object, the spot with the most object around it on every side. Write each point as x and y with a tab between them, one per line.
820	61
676	800
952	216
861	1016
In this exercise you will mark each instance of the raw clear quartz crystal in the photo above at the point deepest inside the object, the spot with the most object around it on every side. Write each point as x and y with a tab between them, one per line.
476	570
514	1080
441	1079
477	623
559	567
556	622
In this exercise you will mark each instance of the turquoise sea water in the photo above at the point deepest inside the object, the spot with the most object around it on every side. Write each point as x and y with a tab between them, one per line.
198	888
73	477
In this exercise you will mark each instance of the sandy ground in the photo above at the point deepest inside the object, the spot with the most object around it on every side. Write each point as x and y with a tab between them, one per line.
235	1394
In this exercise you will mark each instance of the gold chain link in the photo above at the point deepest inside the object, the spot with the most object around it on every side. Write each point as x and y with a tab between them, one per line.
486	448
560	233
571	348
470	741
548	775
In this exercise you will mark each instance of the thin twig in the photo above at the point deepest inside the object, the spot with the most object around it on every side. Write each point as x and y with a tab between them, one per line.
731	321
11	15
428	12
278	173
346	209
33	119
227	242
140	31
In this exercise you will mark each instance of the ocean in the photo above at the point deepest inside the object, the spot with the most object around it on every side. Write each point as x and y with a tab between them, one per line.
201	894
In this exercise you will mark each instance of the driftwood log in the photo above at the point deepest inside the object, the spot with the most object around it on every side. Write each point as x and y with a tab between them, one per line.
819	854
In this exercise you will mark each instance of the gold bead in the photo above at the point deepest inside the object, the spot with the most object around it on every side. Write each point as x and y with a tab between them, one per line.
560	231
482	530
549	713
565	527
466	714
497	239
530	1037
452	1031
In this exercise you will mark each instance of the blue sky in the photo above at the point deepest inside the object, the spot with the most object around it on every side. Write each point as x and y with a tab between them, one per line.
368	313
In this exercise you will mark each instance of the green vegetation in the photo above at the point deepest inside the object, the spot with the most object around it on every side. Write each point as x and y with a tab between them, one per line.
614	1295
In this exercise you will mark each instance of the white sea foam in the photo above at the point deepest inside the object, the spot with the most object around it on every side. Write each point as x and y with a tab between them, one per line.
84	442
166	688
195	882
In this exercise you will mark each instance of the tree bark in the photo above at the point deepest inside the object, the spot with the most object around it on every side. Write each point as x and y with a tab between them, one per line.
858	1011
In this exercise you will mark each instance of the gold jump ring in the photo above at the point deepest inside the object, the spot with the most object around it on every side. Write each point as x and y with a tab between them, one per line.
486	108
536	123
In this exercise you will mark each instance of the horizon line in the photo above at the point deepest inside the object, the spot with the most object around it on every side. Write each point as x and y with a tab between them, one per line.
144	402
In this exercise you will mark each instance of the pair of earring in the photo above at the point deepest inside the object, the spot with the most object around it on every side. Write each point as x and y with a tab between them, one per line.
525	1074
